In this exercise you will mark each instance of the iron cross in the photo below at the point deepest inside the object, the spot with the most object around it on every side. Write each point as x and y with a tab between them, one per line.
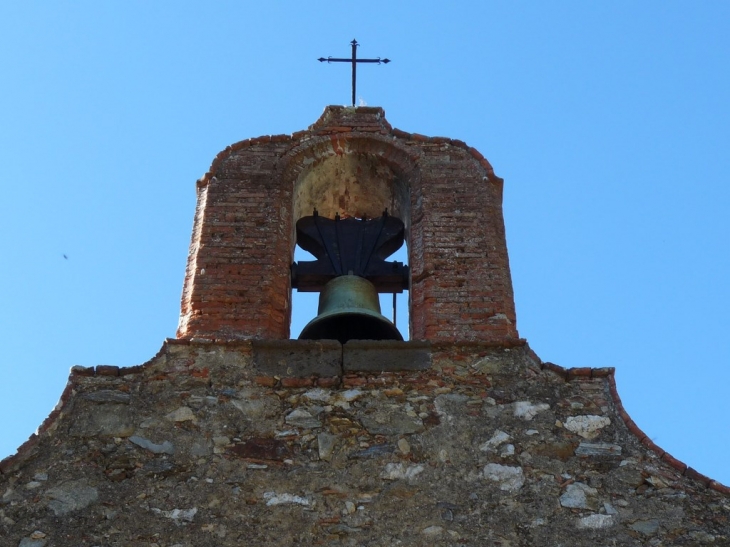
354	60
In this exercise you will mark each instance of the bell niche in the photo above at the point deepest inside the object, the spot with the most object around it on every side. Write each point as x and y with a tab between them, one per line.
350	190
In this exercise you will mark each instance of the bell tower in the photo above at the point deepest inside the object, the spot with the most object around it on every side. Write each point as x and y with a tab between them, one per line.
260	195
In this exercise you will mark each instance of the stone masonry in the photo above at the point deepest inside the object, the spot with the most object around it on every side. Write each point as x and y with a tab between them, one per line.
212	444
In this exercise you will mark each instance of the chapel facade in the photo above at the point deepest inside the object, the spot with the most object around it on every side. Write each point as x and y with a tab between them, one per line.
236	434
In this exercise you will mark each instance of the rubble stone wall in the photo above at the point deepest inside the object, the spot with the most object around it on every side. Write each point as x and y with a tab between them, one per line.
221	444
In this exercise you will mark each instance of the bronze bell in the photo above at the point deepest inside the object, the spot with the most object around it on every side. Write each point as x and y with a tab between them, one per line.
349	309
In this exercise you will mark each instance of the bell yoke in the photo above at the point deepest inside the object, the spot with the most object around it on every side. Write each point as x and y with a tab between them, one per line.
349	271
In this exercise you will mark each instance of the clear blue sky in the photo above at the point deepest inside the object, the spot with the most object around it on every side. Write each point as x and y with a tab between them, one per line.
610	123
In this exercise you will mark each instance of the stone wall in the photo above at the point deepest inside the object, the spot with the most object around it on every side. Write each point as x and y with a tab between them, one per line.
225	445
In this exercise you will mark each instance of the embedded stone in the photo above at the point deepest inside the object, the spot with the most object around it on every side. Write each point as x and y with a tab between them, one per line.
587	426
107	396
498	438
596	521
165	448
646	527
403	446
509	478
178	515
318	394
182	414
272	498
432	531
579	496
350	395
507	450
597	449
326	446
527	410
399	471
71	496
300	417
391	421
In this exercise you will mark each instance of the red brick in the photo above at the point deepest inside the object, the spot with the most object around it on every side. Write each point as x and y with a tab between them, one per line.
674	462
647	442
349	381
584	372
266	381
328	382
557	369
696	475
297	382
719	487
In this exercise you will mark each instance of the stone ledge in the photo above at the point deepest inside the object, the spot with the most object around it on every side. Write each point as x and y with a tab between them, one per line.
297	358
385	356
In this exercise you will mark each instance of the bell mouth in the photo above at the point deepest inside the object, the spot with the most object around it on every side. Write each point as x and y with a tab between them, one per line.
349	309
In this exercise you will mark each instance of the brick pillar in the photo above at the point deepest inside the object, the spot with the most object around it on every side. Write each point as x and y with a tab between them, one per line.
237	280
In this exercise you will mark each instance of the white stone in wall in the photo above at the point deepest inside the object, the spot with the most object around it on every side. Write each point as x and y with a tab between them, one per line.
182	414
318	394
432	531
178	515
350	395
596	521
527	411
579	496
509	478
507	450
588	426
272	498
303	418
398	471
498	438
326	445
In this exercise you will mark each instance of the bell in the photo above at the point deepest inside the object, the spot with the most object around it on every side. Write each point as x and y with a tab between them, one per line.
349	309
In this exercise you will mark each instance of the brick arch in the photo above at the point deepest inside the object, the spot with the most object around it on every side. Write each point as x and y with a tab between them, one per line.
352	175
377	149
238	285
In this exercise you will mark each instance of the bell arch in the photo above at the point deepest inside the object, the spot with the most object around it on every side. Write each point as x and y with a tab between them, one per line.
352	177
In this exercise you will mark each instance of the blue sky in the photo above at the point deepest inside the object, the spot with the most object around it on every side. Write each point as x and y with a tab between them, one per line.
610	123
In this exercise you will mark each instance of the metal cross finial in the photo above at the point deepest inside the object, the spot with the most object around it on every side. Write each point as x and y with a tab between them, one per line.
354	60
